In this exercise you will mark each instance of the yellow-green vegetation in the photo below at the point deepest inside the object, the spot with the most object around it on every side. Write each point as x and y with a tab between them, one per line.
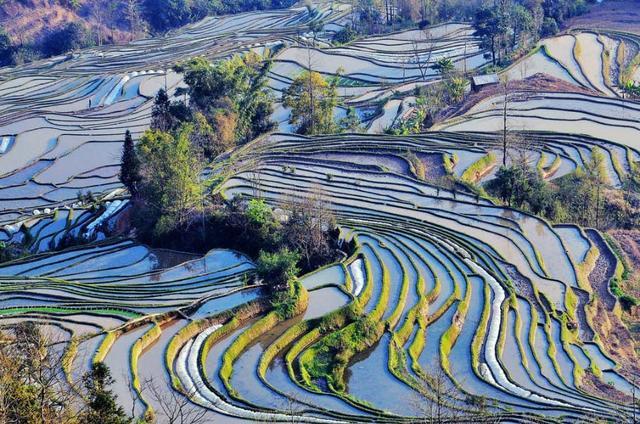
367	291
451	335
502	338
417	166
583	269
281	342
105	346
606	64
146	340
68	357
553	168
404	292
626	75
415	314
479	168
238	346
518	332
449	162
571	303
383	301
622	272
348	283
621	54
577	48
235	315
478	338
329	357
297	299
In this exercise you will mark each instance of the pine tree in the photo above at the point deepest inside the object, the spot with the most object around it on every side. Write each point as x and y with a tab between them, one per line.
102	402
161	118
130	165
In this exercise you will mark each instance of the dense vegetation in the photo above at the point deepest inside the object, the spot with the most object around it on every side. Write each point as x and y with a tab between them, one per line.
510	26
173	207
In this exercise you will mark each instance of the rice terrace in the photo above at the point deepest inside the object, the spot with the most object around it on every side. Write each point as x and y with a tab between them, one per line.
347	211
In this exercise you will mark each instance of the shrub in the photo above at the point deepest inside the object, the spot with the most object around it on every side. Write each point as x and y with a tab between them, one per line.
72	36
549	27
346	35
277	269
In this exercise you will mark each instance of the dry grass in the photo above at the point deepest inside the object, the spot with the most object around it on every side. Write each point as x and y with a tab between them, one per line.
621	15
536	83
26	24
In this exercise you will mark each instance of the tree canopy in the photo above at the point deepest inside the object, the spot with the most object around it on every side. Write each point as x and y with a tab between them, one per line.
312	100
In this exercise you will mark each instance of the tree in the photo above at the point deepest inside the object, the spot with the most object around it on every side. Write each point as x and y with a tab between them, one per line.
444	66
170	189
422	56
163	15
351	122
312	100
174	407
232	95
277	269
102	404
133	15
309	227
505	84
489	27
161	117
596	176
522	23
130	165
513	184
32	384
440	406
72	36
456	87
6	48
549	27
213	138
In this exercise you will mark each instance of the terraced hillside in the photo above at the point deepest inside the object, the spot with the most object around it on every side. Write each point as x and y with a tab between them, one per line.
381	70
451	306
603	61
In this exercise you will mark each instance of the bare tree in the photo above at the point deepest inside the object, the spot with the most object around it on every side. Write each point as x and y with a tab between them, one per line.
101	15
174	407
310	222
440	405
292	408
33	359
133	16
421	47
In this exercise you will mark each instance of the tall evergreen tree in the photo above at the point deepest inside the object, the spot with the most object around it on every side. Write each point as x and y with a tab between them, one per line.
130	165
161	118
102	402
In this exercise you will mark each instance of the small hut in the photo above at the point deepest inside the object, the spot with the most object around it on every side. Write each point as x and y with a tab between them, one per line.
480	81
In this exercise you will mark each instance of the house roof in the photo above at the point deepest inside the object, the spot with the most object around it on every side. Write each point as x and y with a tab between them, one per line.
486	79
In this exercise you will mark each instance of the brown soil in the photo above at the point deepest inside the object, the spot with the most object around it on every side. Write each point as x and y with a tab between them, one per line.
434	168
602	273
29	21
629	242
620	15
592	384
616	338
538	83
